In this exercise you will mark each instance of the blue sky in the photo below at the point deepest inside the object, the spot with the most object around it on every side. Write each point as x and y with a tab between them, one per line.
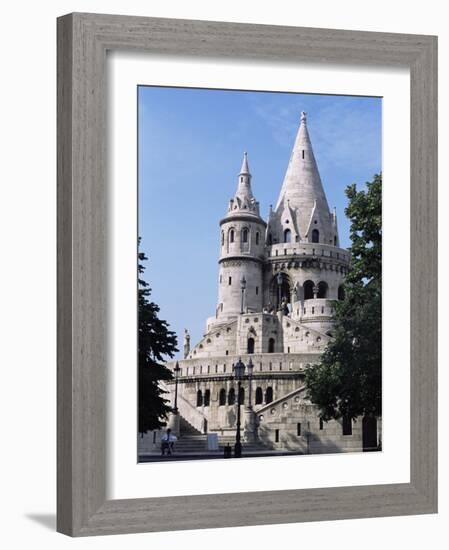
191	143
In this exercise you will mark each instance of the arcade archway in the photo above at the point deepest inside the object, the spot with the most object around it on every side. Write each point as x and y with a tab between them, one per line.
280	290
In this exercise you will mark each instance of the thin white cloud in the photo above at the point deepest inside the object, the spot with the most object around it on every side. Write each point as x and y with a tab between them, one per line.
342	135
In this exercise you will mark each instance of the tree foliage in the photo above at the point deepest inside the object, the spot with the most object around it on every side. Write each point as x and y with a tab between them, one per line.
156	341
348	380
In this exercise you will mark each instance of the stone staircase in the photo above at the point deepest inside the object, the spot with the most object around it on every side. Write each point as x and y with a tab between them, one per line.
197	444
249	447
192	442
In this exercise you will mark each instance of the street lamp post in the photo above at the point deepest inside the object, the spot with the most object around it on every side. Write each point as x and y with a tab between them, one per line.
308	437
239	371
249	432
175	407
242	287
250	368
174	417
279	281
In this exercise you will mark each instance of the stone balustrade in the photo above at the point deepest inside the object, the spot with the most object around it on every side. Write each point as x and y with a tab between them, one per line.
314	250
263	363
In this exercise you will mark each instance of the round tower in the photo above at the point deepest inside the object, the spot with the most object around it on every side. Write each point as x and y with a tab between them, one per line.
306	266
242	241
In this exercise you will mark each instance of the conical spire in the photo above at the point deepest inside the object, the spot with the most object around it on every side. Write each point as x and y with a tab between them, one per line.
244	199
302	183
244	169
302	195
244	191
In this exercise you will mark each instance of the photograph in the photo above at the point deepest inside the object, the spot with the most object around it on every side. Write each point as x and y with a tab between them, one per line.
259	274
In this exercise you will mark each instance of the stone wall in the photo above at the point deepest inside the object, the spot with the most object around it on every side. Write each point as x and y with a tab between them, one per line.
309	333
215	397
285	419
293	423
218	341
231	273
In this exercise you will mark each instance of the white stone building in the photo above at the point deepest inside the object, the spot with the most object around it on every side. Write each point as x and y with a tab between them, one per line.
278	281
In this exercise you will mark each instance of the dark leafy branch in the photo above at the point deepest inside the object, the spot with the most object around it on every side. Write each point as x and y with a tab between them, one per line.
348	381
156	343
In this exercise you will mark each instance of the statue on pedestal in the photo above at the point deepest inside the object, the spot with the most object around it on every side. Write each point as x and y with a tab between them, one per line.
186	343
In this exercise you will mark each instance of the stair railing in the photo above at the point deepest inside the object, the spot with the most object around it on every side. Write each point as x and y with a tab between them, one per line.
191	414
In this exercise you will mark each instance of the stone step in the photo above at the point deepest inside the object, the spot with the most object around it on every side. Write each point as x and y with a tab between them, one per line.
181	445
191	441
198	446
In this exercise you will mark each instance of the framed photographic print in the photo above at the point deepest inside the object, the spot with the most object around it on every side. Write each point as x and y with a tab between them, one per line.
247	274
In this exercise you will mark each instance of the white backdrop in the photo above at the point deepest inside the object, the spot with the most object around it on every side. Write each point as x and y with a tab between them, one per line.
27	289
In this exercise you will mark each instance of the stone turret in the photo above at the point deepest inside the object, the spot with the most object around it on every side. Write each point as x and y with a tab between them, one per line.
242	240
305	267
243	201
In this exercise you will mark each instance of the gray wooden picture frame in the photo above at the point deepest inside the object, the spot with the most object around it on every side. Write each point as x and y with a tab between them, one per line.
83	41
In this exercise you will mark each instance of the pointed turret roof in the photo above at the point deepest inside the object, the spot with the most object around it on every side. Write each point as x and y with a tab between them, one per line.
244	201
302	191
302	183
245	169
244	191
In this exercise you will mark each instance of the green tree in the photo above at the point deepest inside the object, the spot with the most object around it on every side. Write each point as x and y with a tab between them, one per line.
348	380
155	342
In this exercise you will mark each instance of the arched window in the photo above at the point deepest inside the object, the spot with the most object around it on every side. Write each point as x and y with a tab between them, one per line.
231	397
207	398
287	236
271	345
250	345
244	240
242	396
341	292
335	240
315	236
270	238
199	398
222	238
308	290
231	236
259	396
257	237
269	395
222	397
323	290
